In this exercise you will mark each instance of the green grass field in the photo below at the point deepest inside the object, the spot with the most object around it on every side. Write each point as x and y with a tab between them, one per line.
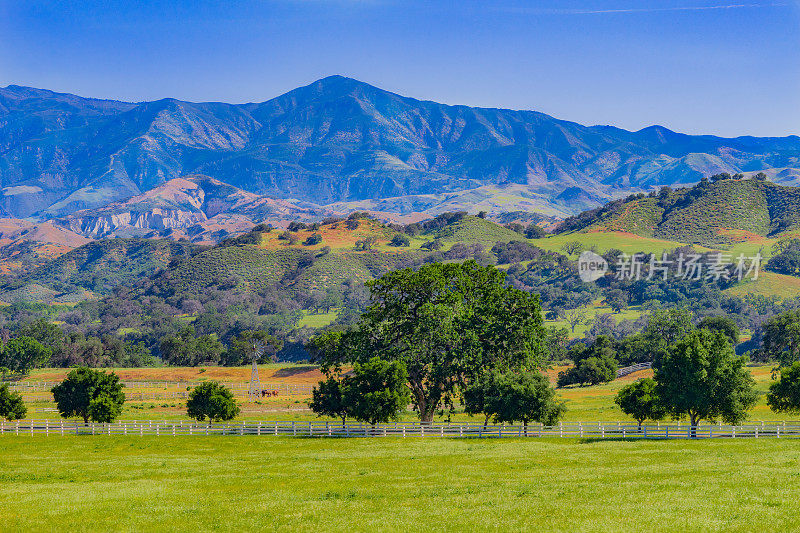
269	483
317	320
592	311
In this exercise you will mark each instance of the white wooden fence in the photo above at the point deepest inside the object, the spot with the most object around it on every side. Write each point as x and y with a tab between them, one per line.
626	370
179	389
594	430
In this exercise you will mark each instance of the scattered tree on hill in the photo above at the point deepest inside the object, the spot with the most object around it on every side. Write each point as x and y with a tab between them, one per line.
11	405
366	243
435	244
617	300
575	317
314	238
400	240
572	247
447	323
534	231
784	394
90	394
701	377
211	400
640	401
782	337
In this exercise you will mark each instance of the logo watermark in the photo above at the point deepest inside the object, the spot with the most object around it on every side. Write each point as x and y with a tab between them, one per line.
591	266
711	267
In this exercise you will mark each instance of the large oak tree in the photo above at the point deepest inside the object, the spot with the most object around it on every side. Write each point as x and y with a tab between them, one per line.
447	323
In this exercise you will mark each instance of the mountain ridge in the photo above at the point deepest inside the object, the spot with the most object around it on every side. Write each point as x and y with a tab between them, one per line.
339	140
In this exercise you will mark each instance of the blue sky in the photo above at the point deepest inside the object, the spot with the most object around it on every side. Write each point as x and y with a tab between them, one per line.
728	67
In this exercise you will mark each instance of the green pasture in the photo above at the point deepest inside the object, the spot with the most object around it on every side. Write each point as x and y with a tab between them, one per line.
317	320
597	308
388	484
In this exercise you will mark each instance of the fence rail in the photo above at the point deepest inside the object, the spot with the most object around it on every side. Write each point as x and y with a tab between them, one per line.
624	371
238	388
597	430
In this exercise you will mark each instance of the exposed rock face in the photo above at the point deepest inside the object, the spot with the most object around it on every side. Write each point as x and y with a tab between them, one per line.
340	140
209	207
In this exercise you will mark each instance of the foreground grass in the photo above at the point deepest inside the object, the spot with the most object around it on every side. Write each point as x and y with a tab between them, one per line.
226	483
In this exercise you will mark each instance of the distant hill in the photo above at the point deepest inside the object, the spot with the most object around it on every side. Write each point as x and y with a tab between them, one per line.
712	213
349	251
195	208
340	141
106	264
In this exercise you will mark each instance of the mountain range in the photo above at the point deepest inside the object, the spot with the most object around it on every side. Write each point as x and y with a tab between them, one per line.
335	145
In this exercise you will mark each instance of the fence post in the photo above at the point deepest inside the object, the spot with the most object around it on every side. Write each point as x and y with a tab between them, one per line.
404	431
62	427
46	428
756	431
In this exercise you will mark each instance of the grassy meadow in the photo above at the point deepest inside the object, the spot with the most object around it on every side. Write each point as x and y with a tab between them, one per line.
233	483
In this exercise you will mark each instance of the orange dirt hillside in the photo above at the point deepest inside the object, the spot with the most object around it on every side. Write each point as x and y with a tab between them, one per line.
298	374
335	235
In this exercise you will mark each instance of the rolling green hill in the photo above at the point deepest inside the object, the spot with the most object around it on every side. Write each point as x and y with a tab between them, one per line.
102	265
713	213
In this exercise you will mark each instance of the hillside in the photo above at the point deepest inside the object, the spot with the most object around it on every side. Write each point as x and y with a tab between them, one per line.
349	251
341	141
717	213
195	208
103	265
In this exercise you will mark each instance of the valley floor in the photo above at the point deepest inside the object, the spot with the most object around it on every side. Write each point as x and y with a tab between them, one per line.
238	483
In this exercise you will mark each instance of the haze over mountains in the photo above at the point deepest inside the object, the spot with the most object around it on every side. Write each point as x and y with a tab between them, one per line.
343	144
